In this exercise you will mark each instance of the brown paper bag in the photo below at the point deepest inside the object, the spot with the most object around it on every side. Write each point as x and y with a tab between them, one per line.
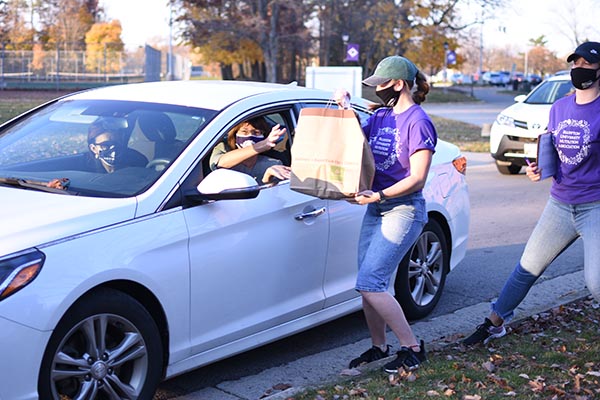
331	158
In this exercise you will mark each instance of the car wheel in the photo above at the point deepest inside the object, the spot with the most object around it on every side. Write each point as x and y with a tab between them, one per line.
508	168
106	346
422	273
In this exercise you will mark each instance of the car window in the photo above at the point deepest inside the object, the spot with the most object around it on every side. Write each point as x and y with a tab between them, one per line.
54	142
549	91
281	152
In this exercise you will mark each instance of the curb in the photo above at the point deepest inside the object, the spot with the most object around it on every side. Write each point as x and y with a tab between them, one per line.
324	368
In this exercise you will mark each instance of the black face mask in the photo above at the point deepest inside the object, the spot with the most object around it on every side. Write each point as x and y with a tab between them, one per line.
583	78
389	96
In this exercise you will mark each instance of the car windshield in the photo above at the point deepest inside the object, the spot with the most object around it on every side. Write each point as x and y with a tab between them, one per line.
96	147
549	91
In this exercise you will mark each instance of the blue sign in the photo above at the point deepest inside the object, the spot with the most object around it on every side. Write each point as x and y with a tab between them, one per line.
352	52
451	57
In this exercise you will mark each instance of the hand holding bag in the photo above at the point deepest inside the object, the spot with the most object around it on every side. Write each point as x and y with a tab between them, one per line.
331	158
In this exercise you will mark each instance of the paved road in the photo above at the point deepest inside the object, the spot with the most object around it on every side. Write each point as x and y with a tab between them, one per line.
492	101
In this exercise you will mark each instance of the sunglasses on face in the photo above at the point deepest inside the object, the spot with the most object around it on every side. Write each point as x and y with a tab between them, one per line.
107	145
249	132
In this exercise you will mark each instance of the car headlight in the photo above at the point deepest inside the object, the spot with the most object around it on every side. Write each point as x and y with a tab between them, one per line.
18	270
505	120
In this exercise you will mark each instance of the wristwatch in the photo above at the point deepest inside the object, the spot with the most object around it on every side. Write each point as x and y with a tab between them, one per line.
382	197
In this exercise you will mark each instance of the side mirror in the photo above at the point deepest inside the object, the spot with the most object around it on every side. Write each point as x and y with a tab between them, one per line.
520	98
224	184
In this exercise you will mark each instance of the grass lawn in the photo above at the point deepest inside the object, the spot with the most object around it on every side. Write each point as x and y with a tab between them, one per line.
551	355
15	102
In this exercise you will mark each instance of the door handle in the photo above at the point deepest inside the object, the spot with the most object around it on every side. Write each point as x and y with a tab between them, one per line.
311	214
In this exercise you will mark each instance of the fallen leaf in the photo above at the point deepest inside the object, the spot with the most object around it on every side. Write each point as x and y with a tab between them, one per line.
282	386
432	393
350	372
536	386
593	373
524	376
489	366
472	397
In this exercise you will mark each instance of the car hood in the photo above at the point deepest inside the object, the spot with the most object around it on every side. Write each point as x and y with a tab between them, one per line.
535	115
29	218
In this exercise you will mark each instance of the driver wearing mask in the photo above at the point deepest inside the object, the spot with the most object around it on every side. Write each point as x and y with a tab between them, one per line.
108	150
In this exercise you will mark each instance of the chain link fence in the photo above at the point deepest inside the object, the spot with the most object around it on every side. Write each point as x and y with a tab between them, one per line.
79	69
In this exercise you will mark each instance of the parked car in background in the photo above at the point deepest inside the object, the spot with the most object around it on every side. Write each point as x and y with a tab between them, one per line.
461	79
534	79
496	78
111	282
514	133
518	77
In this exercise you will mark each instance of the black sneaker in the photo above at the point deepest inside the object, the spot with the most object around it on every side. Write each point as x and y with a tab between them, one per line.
373	354
484	333
408	359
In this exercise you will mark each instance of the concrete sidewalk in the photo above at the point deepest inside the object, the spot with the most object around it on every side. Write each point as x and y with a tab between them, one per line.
323	368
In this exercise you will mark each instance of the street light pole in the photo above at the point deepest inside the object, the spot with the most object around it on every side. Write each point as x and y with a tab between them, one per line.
170	55
345	38
446	45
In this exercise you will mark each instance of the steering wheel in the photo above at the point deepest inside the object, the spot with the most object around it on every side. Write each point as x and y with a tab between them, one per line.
159	164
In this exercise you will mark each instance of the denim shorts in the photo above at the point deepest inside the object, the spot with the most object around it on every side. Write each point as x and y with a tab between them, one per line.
388	231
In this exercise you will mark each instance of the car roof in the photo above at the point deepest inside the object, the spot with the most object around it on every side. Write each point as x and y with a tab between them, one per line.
208	94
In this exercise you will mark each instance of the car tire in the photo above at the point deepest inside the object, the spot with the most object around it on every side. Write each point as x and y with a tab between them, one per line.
422	272
508	168
126	360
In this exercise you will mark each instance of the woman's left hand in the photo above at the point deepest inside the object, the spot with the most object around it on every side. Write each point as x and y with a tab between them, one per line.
280	172
365	197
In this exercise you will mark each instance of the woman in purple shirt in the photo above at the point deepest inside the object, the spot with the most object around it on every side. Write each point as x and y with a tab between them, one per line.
573	209
402	139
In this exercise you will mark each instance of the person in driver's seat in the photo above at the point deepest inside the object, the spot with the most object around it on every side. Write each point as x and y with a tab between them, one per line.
108	149
251	150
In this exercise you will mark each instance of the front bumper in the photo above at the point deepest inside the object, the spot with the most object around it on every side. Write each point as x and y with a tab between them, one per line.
22	349
507	147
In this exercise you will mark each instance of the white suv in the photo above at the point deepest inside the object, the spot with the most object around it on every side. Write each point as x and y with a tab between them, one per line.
514	133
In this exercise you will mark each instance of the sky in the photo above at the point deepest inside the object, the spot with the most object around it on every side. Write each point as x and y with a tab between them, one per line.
143	21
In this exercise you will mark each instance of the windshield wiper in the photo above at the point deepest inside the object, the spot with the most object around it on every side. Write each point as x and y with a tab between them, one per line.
54	186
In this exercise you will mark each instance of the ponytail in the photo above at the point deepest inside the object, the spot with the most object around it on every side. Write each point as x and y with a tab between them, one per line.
422	88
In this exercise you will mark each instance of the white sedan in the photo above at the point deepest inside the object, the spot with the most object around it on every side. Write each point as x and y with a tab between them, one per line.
111	282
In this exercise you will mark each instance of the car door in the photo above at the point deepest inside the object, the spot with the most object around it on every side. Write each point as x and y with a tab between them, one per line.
255	264
345	220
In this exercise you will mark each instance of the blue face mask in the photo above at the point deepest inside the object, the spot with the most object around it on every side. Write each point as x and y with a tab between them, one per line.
249	140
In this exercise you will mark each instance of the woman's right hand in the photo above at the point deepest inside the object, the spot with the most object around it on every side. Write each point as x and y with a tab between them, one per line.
342	98
533	172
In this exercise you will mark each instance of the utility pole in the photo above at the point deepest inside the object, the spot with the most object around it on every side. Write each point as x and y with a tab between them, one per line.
170	75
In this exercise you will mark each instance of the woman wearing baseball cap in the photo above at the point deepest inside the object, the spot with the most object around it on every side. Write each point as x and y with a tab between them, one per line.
402	139
573	209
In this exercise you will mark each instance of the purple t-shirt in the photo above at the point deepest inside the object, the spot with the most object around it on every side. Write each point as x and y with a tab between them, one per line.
576	135
394	138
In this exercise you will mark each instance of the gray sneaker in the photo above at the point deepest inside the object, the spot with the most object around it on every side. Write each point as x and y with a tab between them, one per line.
484	333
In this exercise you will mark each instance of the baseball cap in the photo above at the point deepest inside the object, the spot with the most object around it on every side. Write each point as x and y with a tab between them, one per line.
393	67
588	50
